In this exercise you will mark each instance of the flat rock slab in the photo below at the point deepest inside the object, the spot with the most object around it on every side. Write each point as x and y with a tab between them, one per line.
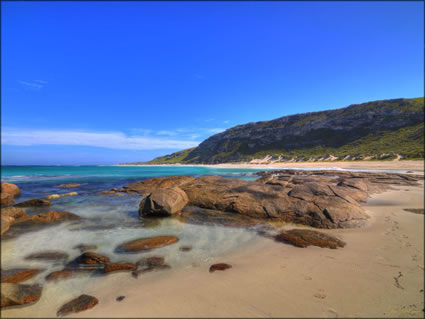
18	295
305	237
79	304
119	267
51	255
56	196
34	203
14	276
144	244
220	266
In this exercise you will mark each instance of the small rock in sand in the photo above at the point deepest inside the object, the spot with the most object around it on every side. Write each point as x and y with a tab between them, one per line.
220	266
79	304
120	298
305	237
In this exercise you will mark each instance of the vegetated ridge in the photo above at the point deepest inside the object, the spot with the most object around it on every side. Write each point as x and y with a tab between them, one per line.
377	130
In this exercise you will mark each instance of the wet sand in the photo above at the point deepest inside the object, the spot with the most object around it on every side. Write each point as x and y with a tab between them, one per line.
379	273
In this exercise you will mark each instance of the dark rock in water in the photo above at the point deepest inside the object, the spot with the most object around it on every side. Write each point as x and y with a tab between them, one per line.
144	244
163	202
6	200
415	210
119	267
59	275
49	217
120	298
14	276
91	258
48	256
79	304
17	294
71	185
148	186
11	189
185	248
220	266
151	261
305	237
146	269
34	203
84	248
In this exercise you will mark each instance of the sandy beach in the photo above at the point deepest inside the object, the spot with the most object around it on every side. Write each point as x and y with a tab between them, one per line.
379	273
406	165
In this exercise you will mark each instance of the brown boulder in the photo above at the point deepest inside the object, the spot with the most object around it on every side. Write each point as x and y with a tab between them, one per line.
144	244
220	266
51	255
91	258
305	237
163	202
148	186
34	203
59	275
11	189
18	295
79	304
8	217
119	267
14	276
6	200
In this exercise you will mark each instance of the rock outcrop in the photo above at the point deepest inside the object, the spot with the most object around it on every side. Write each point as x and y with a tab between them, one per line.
19	295
6	200
323	199
144	244
163	202
11	189
8	217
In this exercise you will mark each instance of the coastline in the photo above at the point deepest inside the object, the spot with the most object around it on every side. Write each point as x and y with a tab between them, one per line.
271	279
404	165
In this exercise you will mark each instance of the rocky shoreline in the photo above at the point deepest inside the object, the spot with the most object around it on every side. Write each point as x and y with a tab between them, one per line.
320	199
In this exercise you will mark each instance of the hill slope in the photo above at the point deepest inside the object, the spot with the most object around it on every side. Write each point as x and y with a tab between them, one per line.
378	129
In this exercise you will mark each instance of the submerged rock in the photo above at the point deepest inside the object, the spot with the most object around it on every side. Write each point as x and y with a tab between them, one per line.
119	267
34	203
151	261
79	304
14	276
49	217
71	185
60	275
146	269
55	196
185	248
17	294
220	266
305	237
163	202
51	255
144	244
11	189
84	248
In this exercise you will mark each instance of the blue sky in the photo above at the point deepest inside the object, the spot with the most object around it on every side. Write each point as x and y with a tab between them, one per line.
109	82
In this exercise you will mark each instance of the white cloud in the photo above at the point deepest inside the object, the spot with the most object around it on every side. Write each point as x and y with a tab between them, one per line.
216	130
35	84
112	140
